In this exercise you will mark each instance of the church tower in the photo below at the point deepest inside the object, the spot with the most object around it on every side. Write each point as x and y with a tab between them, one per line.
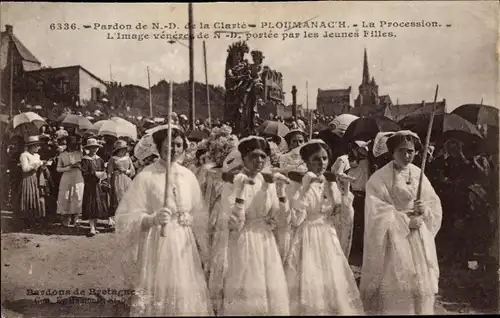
368	90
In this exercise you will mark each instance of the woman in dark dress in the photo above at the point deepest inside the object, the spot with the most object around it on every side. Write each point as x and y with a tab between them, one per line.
95	200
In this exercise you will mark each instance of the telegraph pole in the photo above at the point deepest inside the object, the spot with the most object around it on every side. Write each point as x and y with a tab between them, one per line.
191	69
206	84
294	101
11	95
150	99
308	111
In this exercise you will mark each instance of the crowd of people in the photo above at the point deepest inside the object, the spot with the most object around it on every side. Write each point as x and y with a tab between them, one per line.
266	226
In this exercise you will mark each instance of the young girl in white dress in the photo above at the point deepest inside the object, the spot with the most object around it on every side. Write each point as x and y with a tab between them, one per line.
400	271
319	277
255	282
165	272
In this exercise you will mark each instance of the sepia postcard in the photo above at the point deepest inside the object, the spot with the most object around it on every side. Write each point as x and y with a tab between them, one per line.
250	158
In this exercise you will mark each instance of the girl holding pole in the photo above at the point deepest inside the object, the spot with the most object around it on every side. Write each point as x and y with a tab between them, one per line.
166	245
400	271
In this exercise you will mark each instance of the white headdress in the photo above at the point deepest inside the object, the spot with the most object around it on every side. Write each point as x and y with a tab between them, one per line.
380	142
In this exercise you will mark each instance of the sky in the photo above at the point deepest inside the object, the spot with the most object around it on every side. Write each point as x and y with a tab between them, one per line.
461	59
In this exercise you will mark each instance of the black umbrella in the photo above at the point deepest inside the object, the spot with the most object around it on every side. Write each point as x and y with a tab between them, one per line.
445	126
478	114
366	128
198	135
337	144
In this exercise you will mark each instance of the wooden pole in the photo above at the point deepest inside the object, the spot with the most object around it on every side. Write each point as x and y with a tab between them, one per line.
206	84
150	98
169	154
294	101
310	125
309	112
191	69
426	146
307	97
11	94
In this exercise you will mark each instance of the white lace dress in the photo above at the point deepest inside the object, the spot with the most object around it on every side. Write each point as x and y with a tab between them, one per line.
255	282
166	272
319	277
400	271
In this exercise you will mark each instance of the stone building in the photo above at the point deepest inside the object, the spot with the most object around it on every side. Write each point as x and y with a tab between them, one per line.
273	96
15	61
23	77
333	102
370	103
75	82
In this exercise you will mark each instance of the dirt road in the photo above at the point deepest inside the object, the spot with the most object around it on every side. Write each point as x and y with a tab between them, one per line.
68	265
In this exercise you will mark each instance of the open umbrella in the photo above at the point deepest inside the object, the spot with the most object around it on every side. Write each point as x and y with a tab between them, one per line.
75	121
444	126
117	129
197	135
366	128
96	126
340	123
273	128
26	124
478	114
337	144
123	121
28	118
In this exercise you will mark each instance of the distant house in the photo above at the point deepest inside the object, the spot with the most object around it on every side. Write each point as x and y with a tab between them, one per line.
285	111
69	86
74	81
333	102
400	111
15	60
273	95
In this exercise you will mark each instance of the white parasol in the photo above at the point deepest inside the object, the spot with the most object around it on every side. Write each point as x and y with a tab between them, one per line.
340	123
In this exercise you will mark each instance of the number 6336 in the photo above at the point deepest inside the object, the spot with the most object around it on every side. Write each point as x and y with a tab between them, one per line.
63	26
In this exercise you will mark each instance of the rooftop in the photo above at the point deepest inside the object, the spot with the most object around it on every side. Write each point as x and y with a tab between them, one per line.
44	70
328	93
23	50
398	112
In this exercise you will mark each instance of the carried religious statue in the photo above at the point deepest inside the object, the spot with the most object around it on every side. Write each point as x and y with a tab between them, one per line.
244	88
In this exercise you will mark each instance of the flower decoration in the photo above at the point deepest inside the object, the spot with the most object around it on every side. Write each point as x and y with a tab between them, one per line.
226	130
219	144
220	149
214	132
275	154
190	155
204	144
